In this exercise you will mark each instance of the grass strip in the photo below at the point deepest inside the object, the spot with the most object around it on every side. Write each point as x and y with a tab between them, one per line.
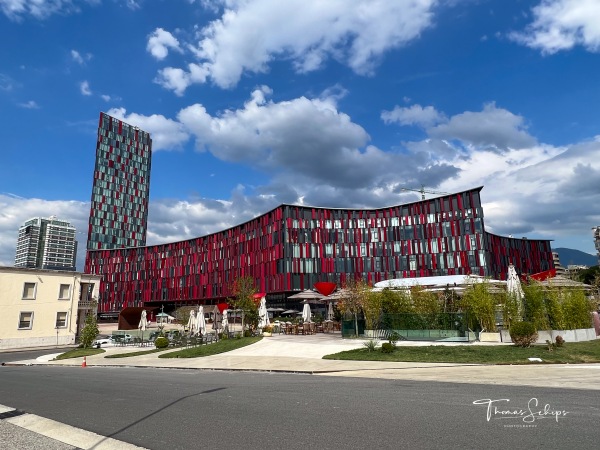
222	346
569	353
141	352
80	353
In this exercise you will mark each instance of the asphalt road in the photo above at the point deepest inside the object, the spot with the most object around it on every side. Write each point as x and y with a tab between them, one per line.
188	409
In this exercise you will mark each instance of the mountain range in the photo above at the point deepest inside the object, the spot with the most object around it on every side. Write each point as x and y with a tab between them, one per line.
569	256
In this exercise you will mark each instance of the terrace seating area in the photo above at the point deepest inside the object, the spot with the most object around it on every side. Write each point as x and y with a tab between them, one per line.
307	328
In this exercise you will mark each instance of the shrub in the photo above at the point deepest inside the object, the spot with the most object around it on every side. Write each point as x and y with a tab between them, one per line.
393	338
559	341
268	329
247	333
386	347
161	342
523	334
371	344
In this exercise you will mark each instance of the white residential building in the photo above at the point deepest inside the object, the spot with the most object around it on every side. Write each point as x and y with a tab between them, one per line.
46	244
43	308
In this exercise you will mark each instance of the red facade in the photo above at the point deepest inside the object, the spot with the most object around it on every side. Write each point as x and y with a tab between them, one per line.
293	247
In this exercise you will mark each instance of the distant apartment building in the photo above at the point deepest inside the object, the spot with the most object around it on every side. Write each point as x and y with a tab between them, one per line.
121	186
596	231
46	244
560	270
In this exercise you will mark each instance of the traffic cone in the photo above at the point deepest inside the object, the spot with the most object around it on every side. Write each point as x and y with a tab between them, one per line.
84	364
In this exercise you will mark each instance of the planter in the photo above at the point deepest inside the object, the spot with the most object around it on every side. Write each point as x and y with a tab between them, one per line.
543	336
489	337
567	335
591	332
267	333
505	336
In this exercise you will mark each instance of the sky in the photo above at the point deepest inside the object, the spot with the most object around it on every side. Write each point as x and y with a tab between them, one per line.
337	103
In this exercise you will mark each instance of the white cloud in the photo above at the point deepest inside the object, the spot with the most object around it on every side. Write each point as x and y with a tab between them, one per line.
492	128
561	25
413	115
79	58
31	104
159	43
38	9
166	134
84	88
105	97
249	35
178	80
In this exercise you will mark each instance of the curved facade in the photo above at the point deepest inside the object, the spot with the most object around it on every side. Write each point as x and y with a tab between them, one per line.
292	247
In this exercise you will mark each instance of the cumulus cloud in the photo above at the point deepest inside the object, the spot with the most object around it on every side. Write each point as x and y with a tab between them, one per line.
413	115
493	127
561	25
159	43
84	88
249	35
166	134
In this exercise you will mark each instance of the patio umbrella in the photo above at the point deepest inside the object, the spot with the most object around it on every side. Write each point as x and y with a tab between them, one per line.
513	287
290	311
330	311
200	320
306	313
143	321
192	321
224	321
263	315
307	294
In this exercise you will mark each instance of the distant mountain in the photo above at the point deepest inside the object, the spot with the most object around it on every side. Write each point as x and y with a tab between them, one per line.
570	256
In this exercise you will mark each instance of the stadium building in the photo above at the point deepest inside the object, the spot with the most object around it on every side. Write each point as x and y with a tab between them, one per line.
291	247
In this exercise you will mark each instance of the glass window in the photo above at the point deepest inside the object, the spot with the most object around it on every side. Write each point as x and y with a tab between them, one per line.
29	290
25	321
64	292
61	320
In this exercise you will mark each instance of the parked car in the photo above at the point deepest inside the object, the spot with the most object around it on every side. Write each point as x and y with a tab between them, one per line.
104	342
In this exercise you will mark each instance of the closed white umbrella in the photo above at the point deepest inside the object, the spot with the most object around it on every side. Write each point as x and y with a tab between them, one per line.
330	311
192	322
224	321
143	321
306	313
200	320
263	314
513	287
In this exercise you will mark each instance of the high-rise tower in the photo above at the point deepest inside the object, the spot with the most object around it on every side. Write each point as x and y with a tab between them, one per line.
121	188
46	244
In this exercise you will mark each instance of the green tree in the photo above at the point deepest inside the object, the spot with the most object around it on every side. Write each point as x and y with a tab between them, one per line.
481	304
372	307
577	309
396	301
243	290
535	305
90	330
352	303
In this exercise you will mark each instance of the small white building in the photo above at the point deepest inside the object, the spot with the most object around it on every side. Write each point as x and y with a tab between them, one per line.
43	308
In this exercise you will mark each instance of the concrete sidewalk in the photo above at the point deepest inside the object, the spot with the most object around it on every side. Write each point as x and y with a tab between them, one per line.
303	354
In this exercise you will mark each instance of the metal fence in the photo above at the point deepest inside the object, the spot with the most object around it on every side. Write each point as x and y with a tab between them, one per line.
418	327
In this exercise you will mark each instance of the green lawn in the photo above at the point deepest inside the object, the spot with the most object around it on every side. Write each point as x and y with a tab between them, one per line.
80	353
141	352
222	346
573	353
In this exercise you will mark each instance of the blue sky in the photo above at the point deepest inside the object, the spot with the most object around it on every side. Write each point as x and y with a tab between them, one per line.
253	103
